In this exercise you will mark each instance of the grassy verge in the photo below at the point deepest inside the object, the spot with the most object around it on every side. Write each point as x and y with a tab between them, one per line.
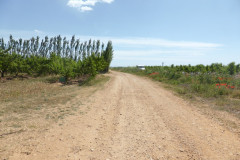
35	103
197	88
96	81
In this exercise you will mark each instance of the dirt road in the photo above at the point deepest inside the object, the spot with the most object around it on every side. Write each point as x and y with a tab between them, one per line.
132	118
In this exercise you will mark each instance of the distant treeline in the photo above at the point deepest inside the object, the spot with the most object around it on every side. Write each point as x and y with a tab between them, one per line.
54	55
214	68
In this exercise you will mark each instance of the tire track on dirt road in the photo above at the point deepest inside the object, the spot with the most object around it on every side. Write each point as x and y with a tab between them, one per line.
133	118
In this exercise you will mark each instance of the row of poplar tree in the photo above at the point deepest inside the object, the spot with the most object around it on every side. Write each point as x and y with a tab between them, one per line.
56	55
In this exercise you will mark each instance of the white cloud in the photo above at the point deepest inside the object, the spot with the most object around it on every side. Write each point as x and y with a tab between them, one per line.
146	50
86	8
38	31
108	1
143	43
146	42
157	52
86	5
163	43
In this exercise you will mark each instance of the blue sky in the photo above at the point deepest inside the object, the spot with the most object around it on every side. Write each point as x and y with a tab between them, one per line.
146	32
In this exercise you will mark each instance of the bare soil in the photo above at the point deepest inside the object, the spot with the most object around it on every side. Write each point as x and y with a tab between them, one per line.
130	118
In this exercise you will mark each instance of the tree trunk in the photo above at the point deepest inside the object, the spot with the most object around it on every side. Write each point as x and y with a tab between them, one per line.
2	74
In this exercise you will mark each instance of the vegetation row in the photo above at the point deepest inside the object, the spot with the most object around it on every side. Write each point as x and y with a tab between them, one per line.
54	56
206	80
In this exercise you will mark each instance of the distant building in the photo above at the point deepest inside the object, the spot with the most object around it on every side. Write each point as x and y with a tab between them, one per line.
142	67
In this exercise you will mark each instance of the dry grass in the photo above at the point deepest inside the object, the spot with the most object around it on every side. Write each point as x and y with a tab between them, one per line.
19	96
35	103
217	108
236	94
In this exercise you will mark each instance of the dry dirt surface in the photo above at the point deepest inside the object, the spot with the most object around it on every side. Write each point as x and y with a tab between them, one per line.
133	118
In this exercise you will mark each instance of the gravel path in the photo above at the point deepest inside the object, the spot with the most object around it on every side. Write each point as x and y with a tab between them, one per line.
132	118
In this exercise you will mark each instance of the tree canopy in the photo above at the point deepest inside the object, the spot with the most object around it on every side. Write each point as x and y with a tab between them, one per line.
54	55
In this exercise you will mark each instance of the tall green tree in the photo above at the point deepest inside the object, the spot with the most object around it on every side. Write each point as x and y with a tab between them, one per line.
54	56
238	68
5	61
231	68
108	55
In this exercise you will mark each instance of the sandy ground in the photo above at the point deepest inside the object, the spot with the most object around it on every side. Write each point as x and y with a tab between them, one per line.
132	118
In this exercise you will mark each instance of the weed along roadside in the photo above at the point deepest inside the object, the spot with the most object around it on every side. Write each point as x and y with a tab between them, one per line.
224	84
215	84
